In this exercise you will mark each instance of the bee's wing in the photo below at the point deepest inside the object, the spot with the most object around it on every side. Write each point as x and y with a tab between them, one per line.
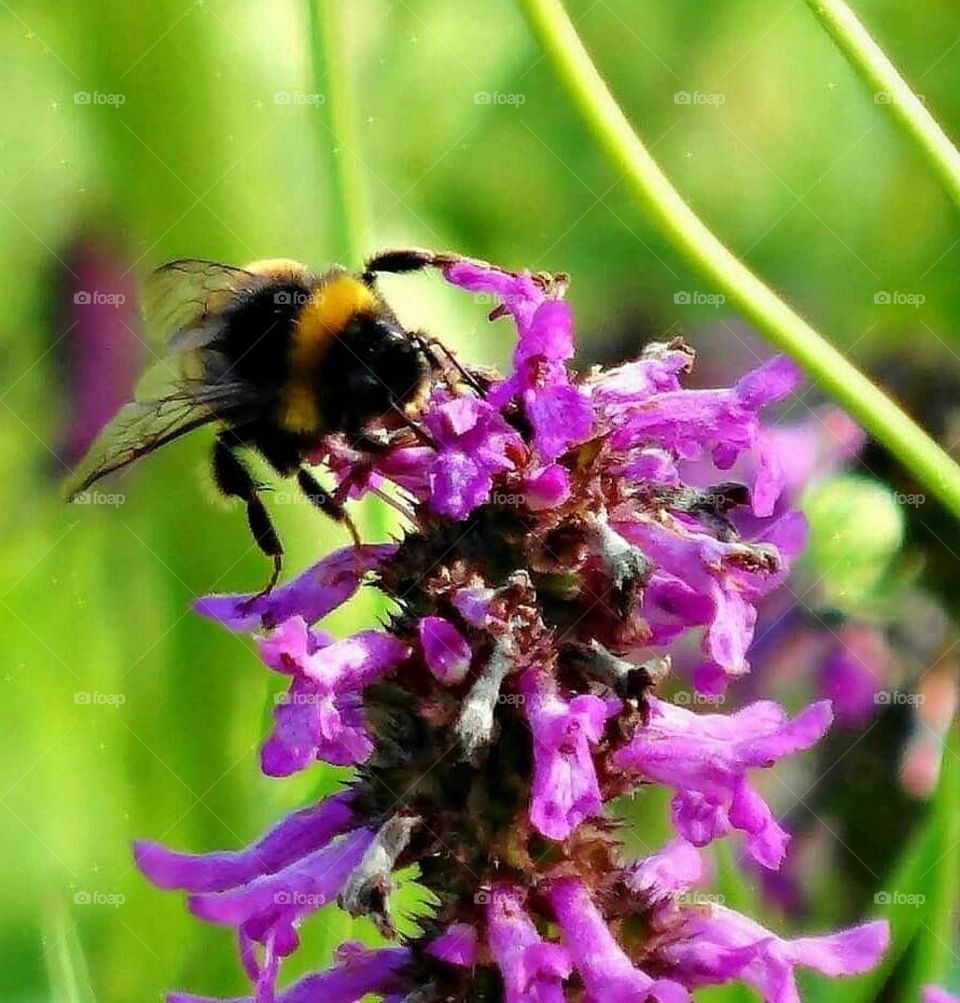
173	407
182	305
182	300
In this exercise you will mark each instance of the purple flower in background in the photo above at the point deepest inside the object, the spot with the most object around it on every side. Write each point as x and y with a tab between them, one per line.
98	342
933	994
852	673
556	557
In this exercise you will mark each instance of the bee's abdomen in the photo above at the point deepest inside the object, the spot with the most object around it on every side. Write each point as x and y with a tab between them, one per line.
258	332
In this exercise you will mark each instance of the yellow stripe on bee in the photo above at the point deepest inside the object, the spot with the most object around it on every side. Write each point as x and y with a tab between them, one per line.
334	303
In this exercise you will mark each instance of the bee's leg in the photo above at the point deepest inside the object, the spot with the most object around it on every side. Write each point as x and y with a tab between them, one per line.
235	481
405	259
327	504
415	426
401	260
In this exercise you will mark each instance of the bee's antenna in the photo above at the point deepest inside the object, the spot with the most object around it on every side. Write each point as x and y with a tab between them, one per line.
433	348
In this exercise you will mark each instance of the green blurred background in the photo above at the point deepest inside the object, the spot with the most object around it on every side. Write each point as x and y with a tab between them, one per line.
240	130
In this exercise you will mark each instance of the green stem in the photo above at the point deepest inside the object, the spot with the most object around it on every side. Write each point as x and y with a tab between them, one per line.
347	205
890	89
933	946
708	255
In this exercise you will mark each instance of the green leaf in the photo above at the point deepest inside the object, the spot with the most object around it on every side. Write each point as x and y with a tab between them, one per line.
932	953
67	972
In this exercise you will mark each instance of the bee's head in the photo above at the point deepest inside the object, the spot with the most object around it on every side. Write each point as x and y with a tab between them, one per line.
374	365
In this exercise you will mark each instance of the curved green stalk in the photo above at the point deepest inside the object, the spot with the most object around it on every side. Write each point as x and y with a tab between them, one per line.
890	89
709	256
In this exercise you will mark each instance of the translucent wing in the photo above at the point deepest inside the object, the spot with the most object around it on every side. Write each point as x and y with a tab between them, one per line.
135	430
182	301
173	407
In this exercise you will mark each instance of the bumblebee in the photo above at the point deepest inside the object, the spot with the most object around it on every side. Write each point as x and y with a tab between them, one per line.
275	356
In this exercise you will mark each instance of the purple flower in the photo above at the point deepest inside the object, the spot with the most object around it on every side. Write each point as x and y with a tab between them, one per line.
674	869
559	412
565	789
265	891
691	422
445	649
533	970
358	971
720	944
457	945
710	581
705	758
311	595
567	536
322	714
297	835
703	943
474	445
617	392
267	910
546	488
608	975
